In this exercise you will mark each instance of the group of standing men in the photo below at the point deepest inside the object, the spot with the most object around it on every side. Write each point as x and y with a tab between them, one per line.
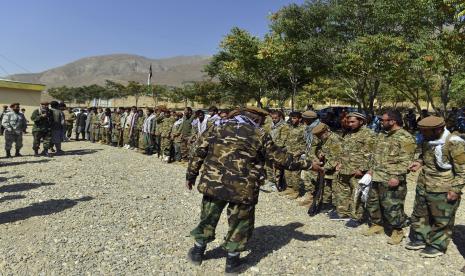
168	134
365	175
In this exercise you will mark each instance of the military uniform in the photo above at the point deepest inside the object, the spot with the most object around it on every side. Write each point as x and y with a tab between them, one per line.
138	137
357	147
95	127
182	134
70	117
443	170
14	125
116	128
296	145
279	133
331	149
165	128
157	137
41	131
233	157
394	152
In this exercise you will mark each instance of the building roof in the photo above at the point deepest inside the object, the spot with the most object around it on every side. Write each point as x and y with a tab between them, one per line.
21	85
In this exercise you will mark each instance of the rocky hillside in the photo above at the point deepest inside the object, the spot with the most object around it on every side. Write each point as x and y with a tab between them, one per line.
120	67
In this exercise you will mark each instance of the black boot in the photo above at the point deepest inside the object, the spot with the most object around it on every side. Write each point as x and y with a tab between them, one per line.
8	154
45	153
17	154
233	264
195	254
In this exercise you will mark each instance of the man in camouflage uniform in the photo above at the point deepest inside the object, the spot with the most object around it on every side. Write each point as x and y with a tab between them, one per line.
160	117
138	142
232	156
328	151
279	133
116	128
439	187
296	146
95	125
183	132
106	127
310	120
70	117
357	147
14	124
41	131
394	151
175	132
165	128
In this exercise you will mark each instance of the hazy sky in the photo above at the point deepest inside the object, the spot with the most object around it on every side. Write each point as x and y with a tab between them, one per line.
40	34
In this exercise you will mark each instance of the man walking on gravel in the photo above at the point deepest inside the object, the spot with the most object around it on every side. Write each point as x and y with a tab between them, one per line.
439	187
394	151
232	156
14	124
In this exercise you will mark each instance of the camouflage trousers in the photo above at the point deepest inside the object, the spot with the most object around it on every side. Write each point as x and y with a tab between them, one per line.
385	205
177	151
13	137
165	146
241	219
344	191
44	136
185	145
310	184
293	180
433	218
115	137
95	134
106	135
126	136
69	129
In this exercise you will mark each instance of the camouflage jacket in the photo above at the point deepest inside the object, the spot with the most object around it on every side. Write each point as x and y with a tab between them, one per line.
357	148
42	123
280	133
116	121
268	124
233	157
70	117
96	120
393	153
158	121
140	123
331	149
435	179
183	131
165	127
296	143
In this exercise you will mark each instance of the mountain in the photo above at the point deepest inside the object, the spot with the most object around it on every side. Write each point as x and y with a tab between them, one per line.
122	68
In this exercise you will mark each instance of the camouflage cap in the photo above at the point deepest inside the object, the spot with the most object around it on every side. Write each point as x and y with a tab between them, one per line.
431	122
309	115
320	128
357	115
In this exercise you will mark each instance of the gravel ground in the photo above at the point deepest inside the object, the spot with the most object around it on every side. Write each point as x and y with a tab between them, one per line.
99	210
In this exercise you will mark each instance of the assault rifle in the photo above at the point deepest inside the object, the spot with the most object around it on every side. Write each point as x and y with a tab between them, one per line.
317	203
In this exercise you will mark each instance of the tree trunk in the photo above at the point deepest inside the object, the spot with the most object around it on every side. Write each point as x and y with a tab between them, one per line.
445	88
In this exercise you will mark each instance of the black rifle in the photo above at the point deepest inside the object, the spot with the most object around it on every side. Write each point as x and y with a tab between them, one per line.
317	203
281	184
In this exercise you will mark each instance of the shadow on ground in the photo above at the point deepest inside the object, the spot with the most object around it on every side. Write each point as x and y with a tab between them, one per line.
458	237
81	152
41	209
24	162
267	239
3	179
21	187
10	197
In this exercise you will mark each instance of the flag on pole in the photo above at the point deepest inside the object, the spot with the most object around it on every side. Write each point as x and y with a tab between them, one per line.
149	79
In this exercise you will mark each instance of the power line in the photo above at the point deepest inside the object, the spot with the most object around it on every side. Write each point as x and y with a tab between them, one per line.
19	66
4	70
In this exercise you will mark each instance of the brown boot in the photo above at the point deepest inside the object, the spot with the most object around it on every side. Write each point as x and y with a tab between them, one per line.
373	230
293	195
307	201
396	237
288	191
